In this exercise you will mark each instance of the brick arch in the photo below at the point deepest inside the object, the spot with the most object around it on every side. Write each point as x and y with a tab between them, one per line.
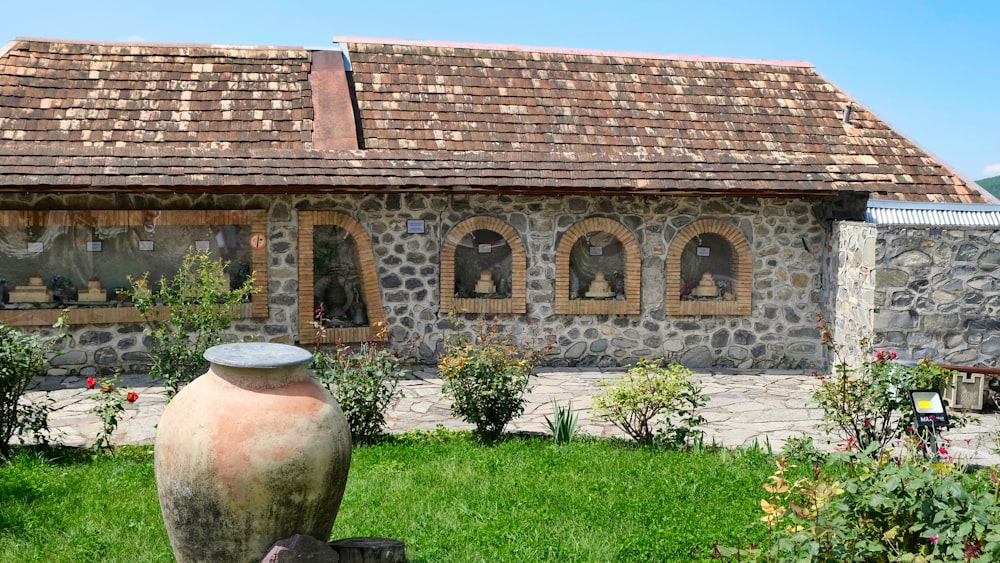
631	305
517	302
742	271
369	280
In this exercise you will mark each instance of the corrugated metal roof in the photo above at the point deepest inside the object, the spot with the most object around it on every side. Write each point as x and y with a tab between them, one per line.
884	212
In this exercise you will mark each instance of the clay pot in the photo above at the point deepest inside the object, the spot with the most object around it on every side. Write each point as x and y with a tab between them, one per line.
249	453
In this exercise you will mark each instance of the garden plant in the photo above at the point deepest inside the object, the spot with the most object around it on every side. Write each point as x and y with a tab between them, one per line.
869	405
187	314
111	399
486	377
22	357
364	380
654	401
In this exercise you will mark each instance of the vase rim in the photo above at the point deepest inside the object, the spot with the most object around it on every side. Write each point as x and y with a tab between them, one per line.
262	355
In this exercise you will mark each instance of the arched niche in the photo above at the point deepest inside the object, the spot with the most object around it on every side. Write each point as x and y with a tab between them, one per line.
709	271
323	233
584	252
483	264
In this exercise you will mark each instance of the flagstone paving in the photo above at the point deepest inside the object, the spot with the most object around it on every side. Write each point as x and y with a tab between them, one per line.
743	408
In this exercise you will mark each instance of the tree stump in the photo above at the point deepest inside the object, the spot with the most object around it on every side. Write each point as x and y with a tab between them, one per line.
370	550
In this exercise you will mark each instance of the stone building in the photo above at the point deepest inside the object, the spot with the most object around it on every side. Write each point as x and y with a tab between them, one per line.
611	205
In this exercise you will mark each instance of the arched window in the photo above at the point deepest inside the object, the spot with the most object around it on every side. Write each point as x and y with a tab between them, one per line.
709	271
483	266
337	272
598	270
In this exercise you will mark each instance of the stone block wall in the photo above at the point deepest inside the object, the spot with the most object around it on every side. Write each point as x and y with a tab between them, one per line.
937	293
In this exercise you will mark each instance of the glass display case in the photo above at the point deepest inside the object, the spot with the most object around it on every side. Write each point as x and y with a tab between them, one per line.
598	270
339	296
81	260
483	268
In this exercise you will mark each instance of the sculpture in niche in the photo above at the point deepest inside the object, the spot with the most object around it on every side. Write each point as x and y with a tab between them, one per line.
34	292
599	288
706	287
485	284
93	293
337	282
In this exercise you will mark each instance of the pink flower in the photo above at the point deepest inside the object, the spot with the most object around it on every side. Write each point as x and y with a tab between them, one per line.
933	538
91	382
920	446
132	397
868	422
883	356
942	451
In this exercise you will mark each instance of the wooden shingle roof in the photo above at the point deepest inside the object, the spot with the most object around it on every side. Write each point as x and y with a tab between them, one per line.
105	116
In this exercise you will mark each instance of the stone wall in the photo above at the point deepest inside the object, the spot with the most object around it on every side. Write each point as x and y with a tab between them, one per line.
937	293
787	239
852	295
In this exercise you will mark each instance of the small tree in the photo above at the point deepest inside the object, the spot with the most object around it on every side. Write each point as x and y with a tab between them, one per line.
187	314
22	357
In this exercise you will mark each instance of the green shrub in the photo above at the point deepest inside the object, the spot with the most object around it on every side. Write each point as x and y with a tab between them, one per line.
22	357
187	314
486	378
364	381
652	394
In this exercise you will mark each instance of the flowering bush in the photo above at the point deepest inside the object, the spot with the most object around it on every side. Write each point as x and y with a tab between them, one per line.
110	406
870	405
363	380
652	394
486	378
902	508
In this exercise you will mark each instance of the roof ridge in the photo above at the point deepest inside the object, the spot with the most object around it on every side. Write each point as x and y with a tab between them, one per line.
565	51
152	44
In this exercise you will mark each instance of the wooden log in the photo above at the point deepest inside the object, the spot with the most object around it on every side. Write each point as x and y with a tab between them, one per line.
370	550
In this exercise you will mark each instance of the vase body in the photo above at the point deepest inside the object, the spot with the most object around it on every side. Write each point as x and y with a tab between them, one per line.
249	453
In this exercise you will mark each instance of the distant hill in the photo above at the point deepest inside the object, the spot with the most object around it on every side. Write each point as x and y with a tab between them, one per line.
991	185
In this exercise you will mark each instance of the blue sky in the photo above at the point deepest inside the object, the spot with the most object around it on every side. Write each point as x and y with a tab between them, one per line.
930	69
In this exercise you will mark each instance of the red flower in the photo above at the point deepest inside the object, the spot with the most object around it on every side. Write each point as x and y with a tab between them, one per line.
132	396
91	382
943	451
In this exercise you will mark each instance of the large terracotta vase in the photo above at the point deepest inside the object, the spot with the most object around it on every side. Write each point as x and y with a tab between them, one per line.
249	453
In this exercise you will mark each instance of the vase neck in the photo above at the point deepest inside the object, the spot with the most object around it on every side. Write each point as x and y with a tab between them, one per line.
260	378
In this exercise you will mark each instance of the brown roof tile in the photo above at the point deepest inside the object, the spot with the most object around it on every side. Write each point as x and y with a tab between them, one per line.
456	98
92	94
200	117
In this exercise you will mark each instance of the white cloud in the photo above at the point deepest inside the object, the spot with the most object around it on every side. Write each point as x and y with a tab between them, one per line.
992	170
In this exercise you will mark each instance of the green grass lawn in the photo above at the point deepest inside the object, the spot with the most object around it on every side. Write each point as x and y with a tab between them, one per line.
446	496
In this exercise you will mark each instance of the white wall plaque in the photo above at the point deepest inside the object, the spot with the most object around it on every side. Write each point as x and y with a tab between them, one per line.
485	248
202	245
415	226
145	245
94	246
704	251
597	251
35	247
